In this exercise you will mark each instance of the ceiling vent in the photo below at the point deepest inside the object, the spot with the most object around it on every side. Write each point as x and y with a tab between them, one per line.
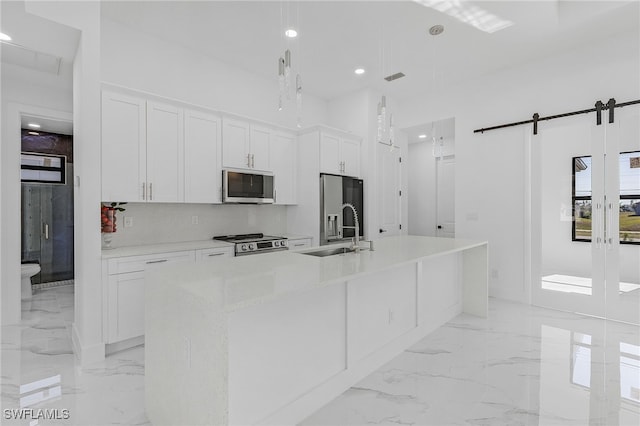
394	76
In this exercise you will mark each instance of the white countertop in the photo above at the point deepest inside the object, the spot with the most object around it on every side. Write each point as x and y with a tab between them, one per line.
232	284
162	248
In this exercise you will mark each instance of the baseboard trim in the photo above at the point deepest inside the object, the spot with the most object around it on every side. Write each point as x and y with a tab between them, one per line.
86	354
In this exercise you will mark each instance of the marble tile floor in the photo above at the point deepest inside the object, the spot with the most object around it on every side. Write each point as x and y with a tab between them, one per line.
522	366
40	371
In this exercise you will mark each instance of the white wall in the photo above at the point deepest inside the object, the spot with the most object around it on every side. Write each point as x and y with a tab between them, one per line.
491	177
139	61
162	223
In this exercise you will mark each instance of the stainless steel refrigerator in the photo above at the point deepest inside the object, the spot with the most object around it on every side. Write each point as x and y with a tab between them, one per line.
335	222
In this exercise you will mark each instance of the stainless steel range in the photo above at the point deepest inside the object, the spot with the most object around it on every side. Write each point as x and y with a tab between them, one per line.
254	243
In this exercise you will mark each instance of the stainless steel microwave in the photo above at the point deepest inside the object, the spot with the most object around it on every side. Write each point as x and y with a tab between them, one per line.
246	187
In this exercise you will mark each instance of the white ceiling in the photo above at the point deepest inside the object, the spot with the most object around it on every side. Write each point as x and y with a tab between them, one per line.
335	37
35	39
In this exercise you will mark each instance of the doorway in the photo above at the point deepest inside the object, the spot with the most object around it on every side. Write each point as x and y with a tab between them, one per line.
586	217
431	162
47	199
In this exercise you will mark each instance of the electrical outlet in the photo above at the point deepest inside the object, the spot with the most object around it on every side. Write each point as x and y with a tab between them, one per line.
128	221
194	220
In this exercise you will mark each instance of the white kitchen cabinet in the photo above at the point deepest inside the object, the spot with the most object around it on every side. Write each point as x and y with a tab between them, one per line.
284	166
260	147
298	243
350	154
142	150
165	153
330	160
339	155
124	156
202	157
245	145
203	255
235	144
124	314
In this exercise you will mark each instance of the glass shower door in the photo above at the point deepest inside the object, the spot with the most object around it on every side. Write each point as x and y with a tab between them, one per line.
47	229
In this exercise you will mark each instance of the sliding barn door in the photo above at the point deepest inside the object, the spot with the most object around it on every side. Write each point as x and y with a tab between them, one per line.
585	207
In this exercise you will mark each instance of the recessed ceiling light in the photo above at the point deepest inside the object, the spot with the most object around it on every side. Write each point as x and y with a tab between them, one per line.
34	125
359	71
291	33
423	136
4	37
34	133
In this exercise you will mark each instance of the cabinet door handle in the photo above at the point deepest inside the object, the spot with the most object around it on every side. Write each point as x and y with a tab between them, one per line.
216	254
298	245
151	191
610	226
156	261
248	160
144	190
46	231
253	162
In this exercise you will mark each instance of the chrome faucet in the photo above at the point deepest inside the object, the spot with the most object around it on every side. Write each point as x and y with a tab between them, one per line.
355	242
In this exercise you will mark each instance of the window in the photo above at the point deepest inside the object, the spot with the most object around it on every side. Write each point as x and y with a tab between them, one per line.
42	168
629	209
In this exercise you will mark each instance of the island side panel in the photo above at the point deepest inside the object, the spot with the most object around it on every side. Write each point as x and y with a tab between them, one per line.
440	290
282	349
185	351
475	300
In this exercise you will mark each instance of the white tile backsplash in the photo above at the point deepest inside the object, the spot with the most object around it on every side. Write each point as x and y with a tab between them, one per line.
168	223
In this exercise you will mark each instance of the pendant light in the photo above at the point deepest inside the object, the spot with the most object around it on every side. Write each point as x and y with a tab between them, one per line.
289	35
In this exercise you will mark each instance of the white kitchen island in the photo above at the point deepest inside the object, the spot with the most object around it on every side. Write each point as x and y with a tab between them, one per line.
269	339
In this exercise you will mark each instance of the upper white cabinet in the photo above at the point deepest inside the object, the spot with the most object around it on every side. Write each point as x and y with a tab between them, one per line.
158	152
165	153
245	145
283	164
202	160
339	155
350	154
142	150
124	153
260	147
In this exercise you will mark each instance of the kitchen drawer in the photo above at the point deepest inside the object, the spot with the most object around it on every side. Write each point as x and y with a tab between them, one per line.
213	253
297	244
124	265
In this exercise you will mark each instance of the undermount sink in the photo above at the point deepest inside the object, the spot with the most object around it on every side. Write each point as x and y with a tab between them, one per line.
329	252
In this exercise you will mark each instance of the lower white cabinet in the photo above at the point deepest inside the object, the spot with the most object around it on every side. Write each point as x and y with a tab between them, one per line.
298	243
125	281
213	253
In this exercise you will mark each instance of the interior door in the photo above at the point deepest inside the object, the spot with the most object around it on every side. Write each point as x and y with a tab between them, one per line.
445	196
389	201
584	195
